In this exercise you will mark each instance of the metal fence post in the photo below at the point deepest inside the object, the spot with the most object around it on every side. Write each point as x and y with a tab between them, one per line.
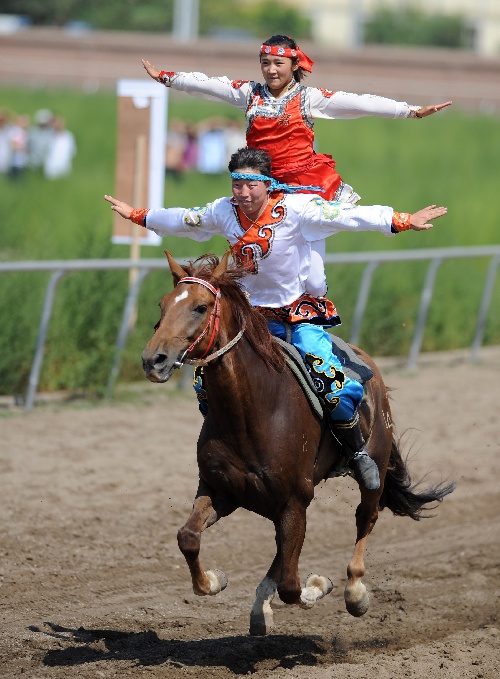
128	313
362	301
485	305
425	302
36	366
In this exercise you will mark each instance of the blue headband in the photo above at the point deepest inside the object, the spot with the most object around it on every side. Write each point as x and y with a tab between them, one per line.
275	184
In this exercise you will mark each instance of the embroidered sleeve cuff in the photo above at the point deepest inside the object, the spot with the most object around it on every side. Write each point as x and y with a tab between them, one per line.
139	216
413	111
400	222
166	77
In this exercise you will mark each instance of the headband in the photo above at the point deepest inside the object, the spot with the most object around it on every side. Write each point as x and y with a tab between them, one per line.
275	184
290	52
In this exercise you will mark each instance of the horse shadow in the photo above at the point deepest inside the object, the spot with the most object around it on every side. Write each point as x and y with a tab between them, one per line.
239	654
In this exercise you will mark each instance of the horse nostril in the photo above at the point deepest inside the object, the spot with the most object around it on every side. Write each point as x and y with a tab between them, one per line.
159	360
152	362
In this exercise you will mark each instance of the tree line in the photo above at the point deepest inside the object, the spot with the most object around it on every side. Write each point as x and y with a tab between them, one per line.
400	26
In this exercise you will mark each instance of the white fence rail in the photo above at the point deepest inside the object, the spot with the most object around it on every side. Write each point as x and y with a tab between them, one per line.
372	260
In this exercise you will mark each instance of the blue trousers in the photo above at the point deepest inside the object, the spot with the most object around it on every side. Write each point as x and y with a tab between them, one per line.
340	394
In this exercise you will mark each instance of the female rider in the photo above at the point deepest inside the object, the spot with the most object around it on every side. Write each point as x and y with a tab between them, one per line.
280	117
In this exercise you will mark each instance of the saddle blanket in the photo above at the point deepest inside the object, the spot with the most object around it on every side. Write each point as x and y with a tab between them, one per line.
352	365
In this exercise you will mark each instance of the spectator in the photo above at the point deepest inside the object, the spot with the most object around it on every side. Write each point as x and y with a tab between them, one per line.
190	155
58	162
176	144
18	143
41	135
235	137
211	147
4	142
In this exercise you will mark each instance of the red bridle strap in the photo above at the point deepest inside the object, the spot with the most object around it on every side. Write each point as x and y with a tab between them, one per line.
200	281
214	316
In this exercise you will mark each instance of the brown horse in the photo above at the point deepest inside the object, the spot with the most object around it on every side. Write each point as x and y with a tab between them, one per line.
261	446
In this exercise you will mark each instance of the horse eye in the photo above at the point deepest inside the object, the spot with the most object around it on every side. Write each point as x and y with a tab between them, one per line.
156	326
200	309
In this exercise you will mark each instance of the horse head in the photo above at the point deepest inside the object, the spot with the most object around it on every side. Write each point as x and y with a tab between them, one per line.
189	319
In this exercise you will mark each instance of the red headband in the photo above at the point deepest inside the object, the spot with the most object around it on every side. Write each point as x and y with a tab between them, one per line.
290	52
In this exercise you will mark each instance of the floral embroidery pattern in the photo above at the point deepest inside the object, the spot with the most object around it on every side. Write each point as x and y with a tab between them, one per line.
194	217
262	104
317	310
166	77
329	209
256	242
236	84
327	379
326	93
401	221
138	216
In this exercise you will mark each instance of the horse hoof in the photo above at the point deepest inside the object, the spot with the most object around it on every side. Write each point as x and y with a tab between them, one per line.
218	581
261	622
357	599
315	588
321	582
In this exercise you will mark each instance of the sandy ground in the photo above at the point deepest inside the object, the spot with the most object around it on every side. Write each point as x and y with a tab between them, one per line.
93	584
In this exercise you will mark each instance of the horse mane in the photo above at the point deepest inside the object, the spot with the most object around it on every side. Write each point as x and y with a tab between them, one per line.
255	324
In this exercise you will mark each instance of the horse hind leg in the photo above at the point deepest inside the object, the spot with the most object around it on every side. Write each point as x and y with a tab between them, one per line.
356	596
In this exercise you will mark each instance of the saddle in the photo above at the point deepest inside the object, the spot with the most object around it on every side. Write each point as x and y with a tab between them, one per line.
352	365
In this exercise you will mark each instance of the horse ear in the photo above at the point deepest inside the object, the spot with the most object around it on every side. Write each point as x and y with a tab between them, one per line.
222	265
177	271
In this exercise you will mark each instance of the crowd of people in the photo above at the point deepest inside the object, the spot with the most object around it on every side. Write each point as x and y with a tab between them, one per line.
42	143
204	147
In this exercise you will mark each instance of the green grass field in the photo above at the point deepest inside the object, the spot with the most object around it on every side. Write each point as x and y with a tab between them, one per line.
448	159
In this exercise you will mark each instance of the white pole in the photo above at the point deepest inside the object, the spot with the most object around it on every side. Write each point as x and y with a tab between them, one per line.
186	20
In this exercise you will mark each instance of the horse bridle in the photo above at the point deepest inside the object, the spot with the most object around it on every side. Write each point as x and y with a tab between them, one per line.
213	322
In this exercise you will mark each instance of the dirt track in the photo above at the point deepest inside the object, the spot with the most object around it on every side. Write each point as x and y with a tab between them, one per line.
93	584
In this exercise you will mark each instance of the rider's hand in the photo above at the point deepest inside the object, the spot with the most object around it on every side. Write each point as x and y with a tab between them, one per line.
152	71
119	206
419	220
433	108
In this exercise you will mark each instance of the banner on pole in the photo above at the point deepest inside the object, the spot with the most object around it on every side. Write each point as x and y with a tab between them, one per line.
142	115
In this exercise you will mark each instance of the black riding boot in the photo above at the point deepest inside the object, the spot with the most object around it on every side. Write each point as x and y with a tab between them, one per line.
350	437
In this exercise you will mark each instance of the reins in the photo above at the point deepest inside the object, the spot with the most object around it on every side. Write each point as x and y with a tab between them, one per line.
213	322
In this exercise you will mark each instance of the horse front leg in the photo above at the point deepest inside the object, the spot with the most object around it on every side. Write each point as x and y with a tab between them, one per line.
261	615
283	576
356	596
205	513
291	536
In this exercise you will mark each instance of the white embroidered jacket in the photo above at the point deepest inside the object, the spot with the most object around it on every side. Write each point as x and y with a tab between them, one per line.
319	103
278	247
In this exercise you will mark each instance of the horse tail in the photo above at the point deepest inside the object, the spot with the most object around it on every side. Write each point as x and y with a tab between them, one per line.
400	494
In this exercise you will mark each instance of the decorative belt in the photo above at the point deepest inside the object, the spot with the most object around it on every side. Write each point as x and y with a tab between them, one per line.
305	309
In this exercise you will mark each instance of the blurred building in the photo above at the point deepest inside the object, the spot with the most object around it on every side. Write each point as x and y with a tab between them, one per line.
338	23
